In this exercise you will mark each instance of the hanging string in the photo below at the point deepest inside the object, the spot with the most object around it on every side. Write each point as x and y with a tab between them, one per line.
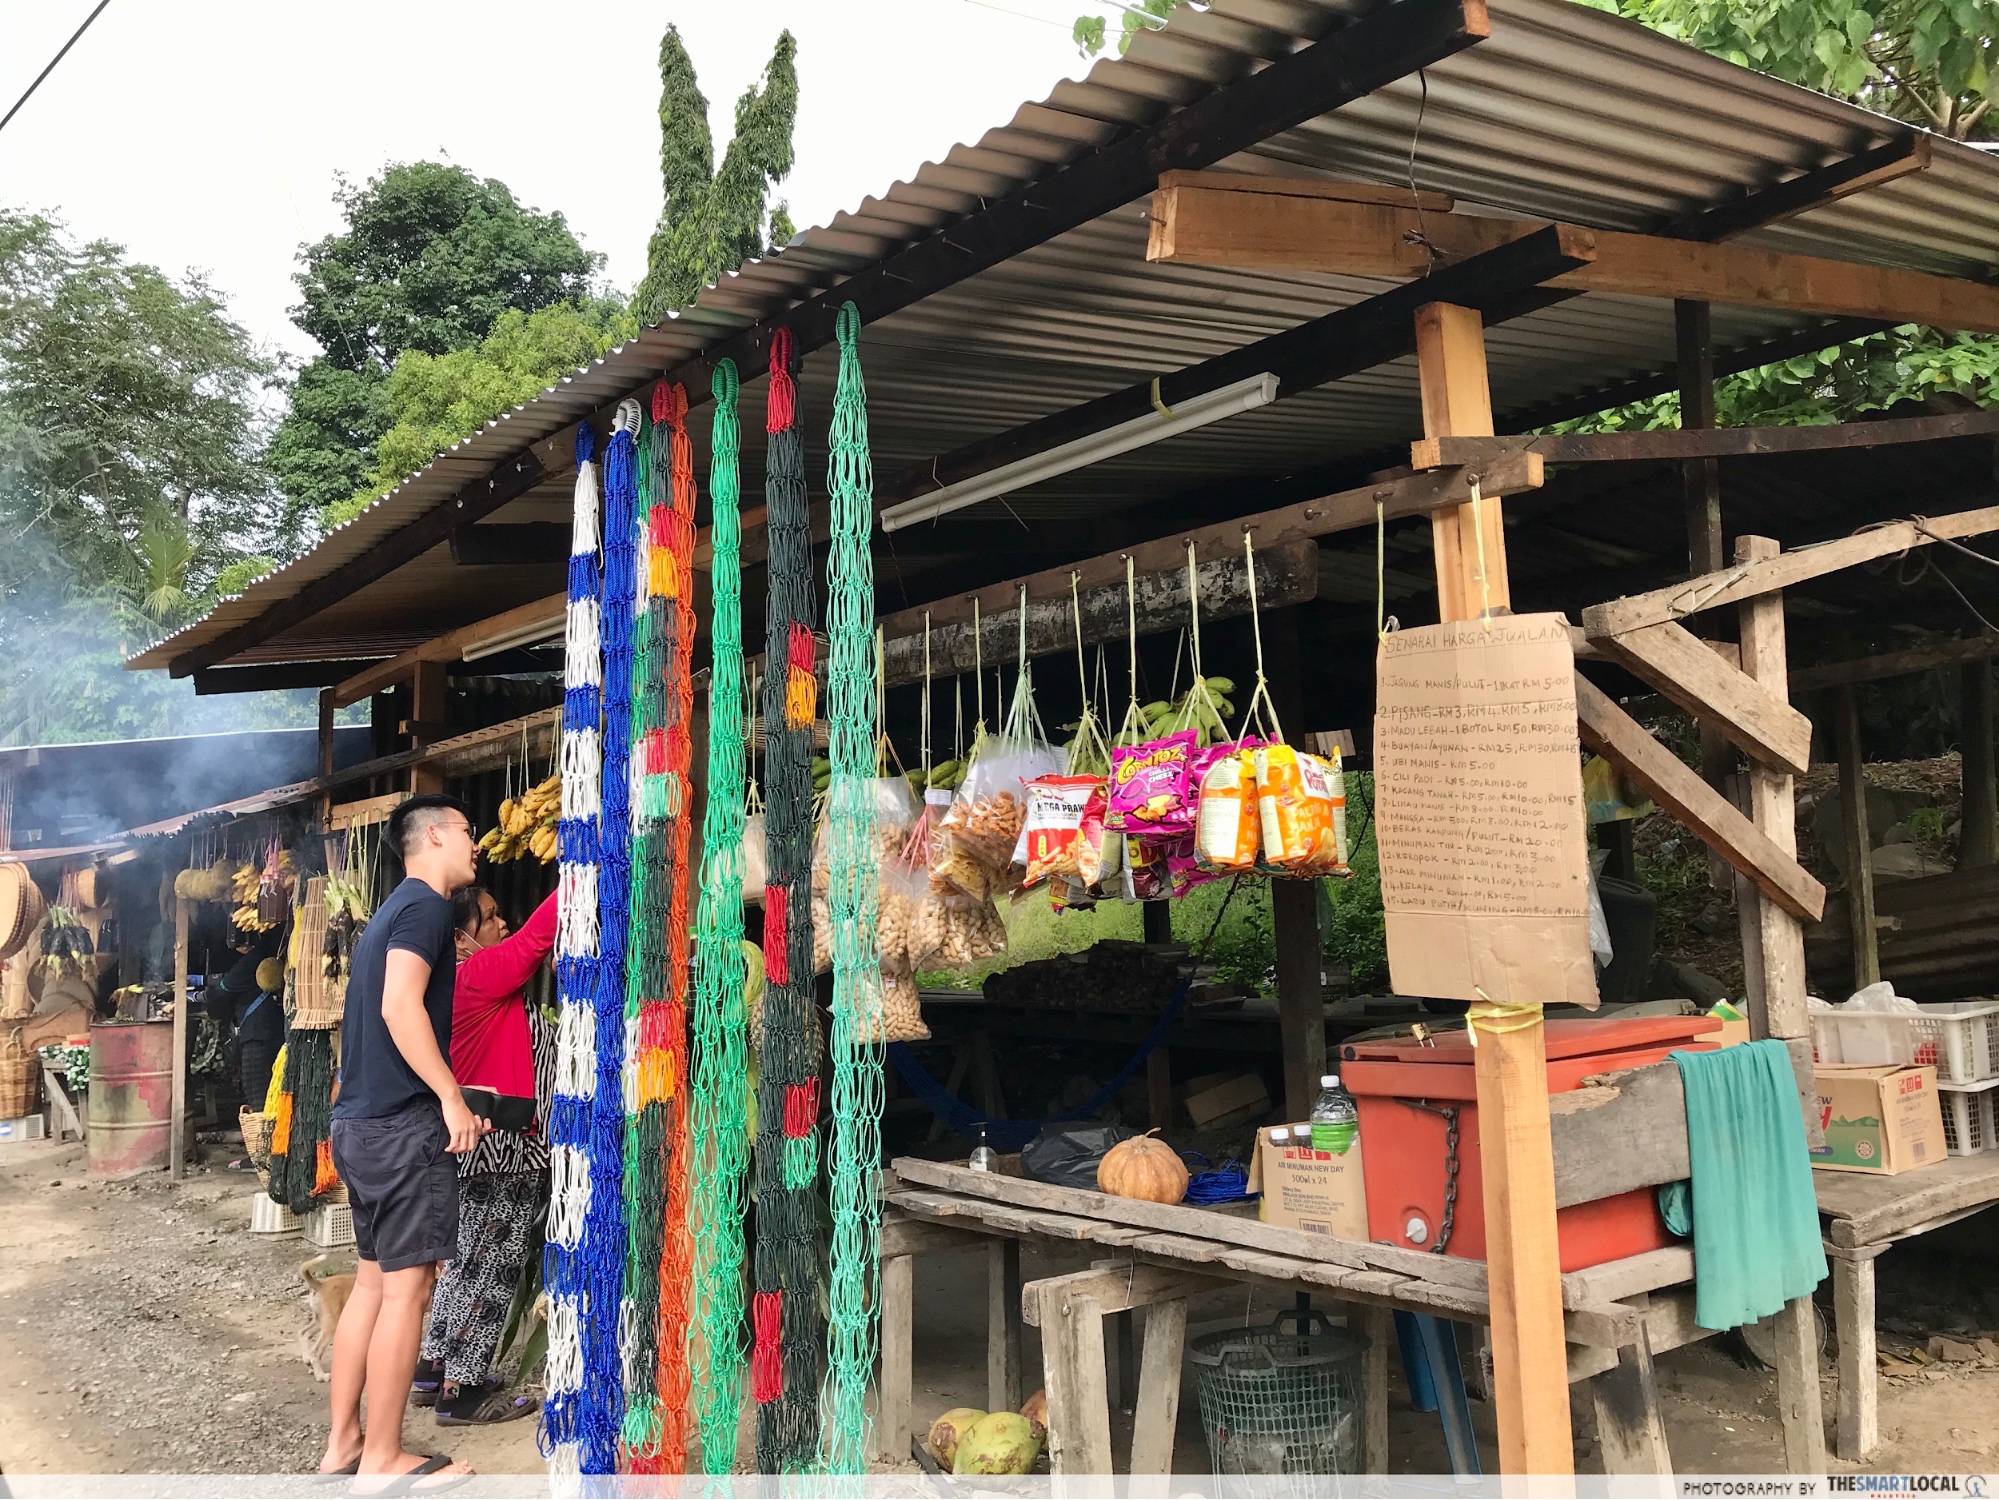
1259	698
859	1092
714	1348
789	1341
978	669
577	937
1484	580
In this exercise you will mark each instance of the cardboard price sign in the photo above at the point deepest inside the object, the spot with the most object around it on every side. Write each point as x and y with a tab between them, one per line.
1480	814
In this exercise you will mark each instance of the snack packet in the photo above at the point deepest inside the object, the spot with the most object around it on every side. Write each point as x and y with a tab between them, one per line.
1149	792
1055	806
1301	805
1228	823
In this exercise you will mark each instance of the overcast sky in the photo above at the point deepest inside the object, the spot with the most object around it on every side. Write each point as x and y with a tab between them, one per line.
206	133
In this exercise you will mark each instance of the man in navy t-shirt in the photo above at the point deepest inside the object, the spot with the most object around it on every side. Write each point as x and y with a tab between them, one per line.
397	1123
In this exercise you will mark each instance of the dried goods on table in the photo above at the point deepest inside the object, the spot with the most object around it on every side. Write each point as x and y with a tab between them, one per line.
1111	975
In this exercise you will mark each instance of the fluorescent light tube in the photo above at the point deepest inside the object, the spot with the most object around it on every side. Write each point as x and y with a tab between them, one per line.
521	635
1140	432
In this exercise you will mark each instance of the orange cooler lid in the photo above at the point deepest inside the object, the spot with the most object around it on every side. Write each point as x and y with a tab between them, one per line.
1568	1038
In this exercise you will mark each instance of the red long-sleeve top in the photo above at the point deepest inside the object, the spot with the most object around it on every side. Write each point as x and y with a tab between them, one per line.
489	1024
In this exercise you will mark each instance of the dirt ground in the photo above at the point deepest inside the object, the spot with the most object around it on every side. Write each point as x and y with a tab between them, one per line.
144	1329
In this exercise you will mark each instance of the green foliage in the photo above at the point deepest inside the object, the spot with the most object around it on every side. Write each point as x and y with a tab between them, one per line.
431	401
1089	33
714	219
431	259
1929	62
1356	931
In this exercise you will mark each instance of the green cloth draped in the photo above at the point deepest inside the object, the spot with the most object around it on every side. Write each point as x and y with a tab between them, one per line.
1756	1220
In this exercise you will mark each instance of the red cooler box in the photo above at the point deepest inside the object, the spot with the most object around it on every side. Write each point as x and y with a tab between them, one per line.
1405	1162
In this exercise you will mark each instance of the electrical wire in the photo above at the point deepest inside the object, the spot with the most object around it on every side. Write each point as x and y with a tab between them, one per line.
75	37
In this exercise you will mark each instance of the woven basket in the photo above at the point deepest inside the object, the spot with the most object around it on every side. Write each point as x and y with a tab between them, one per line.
21	908
20	1079
257	1141
319	1003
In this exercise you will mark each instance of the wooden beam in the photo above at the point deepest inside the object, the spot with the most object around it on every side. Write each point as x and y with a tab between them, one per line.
449	647
1859	843
1329	237
1695	443
1523	1263
1895	663
1808	190
1003	1323
1747	579
1978	838
177	1092
273	677
1693	339
898	1357
1857	1422
1630	1430
1348	64
1670	782
1684	668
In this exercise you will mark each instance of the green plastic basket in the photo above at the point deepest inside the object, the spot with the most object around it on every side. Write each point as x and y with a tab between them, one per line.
1282	1399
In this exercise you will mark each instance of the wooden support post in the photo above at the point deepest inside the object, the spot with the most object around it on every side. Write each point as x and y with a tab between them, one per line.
427	711
1072	1353
1156	919
1127	1360
1629	1428
1378	1323
1301	1004
1159	1087
1978	839
1858	1424
1530	1351
898	1308
1859	840
177	1122
326	709
1003	1324
1158	1413
1701	477
1780	958
985	1075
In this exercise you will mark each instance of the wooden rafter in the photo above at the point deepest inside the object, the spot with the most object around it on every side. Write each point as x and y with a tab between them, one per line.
1685	669
1895	663
1679	444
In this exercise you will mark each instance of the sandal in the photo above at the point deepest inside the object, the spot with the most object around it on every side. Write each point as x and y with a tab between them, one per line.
428	1382
484	1406
405	1483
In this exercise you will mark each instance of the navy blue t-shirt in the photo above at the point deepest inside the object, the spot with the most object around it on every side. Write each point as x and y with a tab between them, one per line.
374	1079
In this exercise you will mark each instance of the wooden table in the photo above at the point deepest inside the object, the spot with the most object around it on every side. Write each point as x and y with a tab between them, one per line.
1158	1255
1867	1214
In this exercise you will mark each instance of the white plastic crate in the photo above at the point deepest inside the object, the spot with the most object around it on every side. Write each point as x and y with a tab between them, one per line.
26	1128
1960	1039
1969	1126
267	1217
330	1226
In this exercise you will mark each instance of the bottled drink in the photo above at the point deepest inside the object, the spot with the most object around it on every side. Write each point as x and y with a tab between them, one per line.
1335	1120
983	1157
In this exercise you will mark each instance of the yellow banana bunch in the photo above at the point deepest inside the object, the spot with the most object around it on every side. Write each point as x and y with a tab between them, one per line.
526	825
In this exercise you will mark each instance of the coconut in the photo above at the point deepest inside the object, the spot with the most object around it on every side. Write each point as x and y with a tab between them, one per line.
949	1430
1002	1443
1036	1412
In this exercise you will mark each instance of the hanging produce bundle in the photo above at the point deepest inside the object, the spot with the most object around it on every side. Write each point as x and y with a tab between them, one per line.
65	942
526	825
214	883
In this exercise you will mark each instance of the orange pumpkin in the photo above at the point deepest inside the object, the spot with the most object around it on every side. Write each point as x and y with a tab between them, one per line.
1143	1167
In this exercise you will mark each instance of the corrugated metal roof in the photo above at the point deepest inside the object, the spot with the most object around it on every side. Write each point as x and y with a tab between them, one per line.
1563	112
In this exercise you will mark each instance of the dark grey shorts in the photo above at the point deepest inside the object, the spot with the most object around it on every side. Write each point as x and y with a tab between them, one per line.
402	1185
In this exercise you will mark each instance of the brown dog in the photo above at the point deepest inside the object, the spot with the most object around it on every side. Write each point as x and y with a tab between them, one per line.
326	1296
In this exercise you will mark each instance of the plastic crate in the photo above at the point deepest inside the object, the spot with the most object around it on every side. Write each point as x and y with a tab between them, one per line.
26	1128
1969	1123
330	1226
1960	1039
267	1217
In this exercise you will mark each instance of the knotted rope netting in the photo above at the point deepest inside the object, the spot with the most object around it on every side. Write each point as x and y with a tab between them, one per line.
854	897
787	1340
721	1068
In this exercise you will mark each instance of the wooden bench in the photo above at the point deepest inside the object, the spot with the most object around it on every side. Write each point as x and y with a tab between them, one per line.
1162	1254
1866	1214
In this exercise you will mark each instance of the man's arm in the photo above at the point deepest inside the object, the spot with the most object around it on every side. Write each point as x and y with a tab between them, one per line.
404	977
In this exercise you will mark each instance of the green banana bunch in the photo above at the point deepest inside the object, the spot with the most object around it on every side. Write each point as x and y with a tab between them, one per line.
1205	709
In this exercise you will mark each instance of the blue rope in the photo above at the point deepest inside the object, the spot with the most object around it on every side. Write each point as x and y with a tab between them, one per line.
1228	1183
1011	1135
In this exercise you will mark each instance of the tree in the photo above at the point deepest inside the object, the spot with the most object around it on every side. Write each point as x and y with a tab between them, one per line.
714	220
430	259
1929	62
130	478
431	401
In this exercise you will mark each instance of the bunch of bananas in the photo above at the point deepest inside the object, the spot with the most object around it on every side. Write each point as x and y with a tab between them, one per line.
526	826
245	886
944	777
1204	708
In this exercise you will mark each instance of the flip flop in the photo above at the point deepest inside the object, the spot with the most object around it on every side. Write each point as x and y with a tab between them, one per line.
405	1483
493	1407
334	1476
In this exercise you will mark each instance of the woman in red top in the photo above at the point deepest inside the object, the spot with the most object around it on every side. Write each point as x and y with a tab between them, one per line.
499	1041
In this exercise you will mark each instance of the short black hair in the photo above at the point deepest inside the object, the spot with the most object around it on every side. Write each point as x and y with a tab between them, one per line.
407	821
465	907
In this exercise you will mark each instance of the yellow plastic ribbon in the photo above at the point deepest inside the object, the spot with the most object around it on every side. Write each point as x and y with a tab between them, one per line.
1498	1017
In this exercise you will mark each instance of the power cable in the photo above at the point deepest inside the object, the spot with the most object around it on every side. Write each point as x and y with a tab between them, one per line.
75	37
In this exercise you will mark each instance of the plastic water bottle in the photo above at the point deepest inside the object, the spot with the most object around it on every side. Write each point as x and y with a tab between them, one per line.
1335	1120
983	1157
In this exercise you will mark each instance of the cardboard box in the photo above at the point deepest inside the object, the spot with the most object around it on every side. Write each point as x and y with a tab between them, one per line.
1239	1092
1317	1191
1883	1119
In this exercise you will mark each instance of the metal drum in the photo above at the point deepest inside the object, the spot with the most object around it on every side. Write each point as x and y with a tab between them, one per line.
131	1096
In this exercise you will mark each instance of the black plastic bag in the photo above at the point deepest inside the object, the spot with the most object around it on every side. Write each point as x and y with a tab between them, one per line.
1067	1155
